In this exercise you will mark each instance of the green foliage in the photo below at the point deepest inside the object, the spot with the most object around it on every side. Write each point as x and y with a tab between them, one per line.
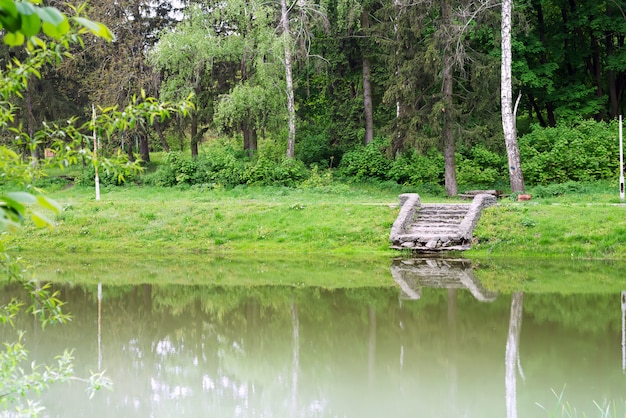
220	165
583	151
24	20
413	168
367	162
554	190
267	171
480	167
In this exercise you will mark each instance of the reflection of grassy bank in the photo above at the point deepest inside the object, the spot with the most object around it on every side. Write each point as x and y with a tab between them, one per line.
193	269
336	271
551	275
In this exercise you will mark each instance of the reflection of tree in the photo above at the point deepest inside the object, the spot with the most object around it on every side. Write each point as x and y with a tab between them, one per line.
452	348
273	350
295	363
512	353
372	345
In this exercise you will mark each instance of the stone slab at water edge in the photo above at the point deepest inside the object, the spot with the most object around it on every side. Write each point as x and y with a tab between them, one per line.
436	227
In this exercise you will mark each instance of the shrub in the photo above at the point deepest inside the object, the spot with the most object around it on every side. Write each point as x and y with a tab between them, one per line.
365	162
267	172
584	151
107	177
480	167
553	190
413	168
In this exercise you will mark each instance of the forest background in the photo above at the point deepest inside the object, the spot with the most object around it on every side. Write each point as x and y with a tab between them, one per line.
381	90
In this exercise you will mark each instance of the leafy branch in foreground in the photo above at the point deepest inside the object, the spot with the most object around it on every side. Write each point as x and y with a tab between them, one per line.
22	22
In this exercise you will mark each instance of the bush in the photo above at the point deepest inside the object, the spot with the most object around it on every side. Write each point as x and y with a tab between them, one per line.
584	151
413	168
220	165
554	190
480	167
367	162
110	177
267	172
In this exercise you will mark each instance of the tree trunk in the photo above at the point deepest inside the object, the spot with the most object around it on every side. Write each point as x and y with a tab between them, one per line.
291	106
506	95
144	148
194	135
448	110
367	102
367	87
597	73
159	129
249	137
34	153
129	151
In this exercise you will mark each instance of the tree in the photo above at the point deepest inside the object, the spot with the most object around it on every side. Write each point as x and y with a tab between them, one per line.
186	58
113	73
291	106
506	92
448	37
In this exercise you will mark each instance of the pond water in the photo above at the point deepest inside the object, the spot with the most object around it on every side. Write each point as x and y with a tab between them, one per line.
432	342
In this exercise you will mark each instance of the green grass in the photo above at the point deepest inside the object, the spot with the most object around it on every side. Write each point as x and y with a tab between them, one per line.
339	219
244	220
553	229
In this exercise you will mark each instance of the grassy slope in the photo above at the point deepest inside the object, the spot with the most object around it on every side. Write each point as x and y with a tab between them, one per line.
341	220
247	220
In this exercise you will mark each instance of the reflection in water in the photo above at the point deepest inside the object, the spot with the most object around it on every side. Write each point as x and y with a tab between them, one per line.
295	364
311	352
624	331
512	353
412	274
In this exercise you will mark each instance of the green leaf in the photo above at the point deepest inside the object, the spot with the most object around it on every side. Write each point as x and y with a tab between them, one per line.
21	197
31	24
49	204
40	220
96	28
9	18
8	8
14	39
56	31
51	15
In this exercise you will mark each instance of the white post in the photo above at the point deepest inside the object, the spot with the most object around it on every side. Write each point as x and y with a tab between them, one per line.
621	161
95	153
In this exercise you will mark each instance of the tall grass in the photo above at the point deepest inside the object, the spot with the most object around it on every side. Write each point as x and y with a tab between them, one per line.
564	409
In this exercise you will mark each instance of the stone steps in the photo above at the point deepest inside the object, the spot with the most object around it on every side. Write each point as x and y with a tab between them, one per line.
436	227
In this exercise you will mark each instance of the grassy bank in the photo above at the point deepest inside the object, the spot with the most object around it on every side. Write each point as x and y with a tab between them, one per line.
242	220
333	220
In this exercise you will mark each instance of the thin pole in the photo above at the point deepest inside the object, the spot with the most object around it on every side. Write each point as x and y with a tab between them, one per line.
99	326
95	153
624	331
621	161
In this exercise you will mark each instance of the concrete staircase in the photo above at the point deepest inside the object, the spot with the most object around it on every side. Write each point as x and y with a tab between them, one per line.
436	227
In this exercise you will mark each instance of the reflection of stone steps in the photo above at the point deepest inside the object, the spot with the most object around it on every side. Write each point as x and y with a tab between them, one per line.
436	227
413	274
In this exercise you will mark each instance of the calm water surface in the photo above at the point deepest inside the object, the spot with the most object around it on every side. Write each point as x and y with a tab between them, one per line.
433	343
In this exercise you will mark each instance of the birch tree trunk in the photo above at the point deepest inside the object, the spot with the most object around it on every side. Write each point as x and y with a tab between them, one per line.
291	107
506	95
